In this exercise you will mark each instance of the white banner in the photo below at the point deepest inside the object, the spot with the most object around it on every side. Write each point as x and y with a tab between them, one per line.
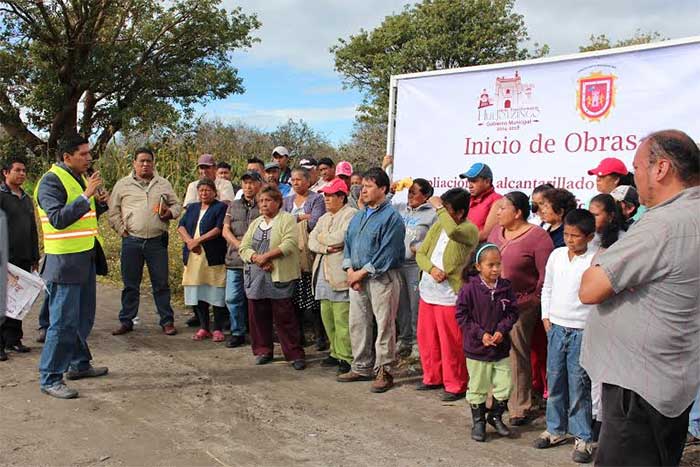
543	122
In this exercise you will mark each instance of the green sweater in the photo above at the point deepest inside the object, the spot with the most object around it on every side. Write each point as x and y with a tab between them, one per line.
463	239
284	235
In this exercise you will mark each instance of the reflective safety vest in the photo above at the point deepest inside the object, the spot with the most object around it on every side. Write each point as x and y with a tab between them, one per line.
80	235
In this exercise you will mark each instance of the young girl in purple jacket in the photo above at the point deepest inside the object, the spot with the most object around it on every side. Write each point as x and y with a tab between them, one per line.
486	312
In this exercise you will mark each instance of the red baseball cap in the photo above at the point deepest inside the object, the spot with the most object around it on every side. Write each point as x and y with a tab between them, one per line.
609	165
343	168
336	185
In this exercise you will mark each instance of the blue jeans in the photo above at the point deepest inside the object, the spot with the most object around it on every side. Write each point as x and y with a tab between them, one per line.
236	301
44	313
569	406
694	423
154	252
72	315
407	319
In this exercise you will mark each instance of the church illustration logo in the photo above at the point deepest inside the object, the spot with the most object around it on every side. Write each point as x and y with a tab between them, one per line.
510	107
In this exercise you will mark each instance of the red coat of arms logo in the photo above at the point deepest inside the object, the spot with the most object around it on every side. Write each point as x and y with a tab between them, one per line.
595	95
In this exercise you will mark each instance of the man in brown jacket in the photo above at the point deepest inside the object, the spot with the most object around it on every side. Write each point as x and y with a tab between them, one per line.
141	205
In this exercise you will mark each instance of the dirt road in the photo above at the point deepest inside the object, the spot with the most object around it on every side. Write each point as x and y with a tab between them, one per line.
172	401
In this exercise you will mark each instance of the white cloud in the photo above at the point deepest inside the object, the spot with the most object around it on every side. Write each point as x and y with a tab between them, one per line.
566	25
271	118
320	90
300	32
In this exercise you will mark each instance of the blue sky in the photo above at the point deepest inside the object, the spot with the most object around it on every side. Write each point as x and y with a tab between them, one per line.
276	92
289	74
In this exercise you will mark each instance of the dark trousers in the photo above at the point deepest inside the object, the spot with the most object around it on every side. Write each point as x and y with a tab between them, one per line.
262	315
11	329
634	433
10	332
306	305
220	313
154	253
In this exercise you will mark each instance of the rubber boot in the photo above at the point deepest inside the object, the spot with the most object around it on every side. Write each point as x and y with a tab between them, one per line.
478	422
493	418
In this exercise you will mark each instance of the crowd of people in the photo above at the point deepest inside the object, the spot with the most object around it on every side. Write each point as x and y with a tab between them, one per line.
510	301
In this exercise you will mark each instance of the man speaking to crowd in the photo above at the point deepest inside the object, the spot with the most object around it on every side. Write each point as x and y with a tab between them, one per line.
643	341
69	204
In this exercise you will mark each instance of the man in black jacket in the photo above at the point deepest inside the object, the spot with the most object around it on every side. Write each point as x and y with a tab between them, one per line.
23	241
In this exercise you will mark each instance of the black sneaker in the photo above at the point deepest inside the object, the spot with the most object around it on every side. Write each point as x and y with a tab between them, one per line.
299	364
427	387
19	348
263	359
343	367
92	372
528	418
452	396
322	345
330	362
235	341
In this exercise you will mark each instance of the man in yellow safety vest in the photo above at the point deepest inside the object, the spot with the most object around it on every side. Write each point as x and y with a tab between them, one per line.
69	203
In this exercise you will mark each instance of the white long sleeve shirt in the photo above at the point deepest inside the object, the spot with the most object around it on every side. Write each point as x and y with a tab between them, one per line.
562	280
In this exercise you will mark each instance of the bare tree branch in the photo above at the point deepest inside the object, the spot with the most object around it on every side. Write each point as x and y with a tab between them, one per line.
89	103
105	136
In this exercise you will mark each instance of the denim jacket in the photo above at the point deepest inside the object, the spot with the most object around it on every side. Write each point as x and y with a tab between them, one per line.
375	243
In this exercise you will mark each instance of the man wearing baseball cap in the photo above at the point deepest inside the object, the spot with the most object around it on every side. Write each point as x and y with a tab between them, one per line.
310	164
281	155
272	176
483	203
253	164
628	200
238	218
206	166
343	171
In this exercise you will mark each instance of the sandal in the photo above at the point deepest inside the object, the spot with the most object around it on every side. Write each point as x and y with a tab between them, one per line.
201	335
218	336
